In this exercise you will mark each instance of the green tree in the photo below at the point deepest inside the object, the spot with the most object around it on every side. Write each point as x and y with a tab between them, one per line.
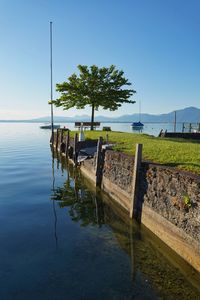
94	87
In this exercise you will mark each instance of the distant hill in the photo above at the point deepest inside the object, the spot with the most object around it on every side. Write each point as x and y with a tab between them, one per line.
189	114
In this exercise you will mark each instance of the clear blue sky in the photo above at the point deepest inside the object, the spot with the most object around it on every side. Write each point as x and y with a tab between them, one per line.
156	43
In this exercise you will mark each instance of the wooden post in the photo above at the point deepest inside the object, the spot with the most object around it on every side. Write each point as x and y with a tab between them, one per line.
137	163
62	145
52	139
190	127
161	133
57	134
61	136
199	127
175	121
99	162
75	148
67	144
60	139
183	127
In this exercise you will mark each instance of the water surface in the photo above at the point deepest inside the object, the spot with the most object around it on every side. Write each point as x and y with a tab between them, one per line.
62	240
149	128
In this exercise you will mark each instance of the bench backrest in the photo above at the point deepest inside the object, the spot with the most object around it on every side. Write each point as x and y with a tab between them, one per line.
78	124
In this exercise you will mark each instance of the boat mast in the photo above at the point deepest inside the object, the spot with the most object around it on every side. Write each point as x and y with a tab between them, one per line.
52	131
139	111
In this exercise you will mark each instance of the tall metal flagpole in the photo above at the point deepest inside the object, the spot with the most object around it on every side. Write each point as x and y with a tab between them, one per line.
52	134
52	131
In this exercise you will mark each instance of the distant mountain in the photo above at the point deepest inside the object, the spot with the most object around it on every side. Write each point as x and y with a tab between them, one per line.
189	114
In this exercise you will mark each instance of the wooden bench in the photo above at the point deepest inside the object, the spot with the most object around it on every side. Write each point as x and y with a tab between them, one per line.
87	125
106	128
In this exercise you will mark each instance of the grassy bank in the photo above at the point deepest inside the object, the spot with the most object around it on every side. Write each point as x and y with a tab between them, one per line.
179	153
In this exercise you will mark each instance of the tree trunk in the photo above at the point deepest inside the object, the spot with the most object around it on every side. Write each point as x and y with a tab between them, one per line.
92	118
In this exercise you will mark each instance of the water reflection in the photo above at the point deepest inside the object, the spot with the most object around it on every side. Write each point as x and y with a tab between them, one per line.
82	205
166	275
136	130
53	202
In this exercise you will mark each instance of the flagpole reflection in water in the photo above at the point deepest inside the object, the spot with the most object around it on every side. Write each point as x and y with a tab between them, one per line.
53	202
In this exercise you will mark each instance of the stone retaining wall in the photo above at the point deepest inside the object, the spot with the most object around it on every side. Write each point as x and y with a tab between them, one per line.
173	194
118	168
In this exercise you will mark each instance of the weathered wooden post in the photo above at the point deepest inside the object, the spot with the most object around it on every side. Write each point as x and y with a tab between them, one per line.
175	121
61	135
137	163
161	133
62	143
75	148
99	162
183	127
60	139
199	127
190	127
57	134
67	143
52	139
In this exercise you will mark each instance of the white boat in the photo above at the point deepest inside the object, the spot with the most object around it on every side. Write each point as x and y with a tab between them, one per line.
48	126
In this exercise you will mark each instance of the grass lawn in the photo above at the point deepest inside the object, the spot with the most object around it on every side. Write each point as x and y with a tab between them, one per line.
180	153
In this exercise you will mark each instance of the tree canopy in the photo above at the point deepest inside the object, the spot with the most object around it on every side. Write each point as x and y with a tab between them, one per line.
96	87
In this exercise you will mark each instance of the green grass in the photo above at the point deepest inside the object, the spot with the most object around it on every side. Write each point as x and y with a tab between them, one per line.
180	153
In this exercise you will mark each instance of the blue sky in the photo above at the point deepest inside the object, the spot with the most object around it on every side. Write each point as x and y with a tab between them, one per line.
156	43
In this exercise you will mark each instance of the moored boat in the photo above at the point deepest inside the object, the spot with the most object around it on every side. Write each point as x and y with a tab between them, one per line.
137	125
48	126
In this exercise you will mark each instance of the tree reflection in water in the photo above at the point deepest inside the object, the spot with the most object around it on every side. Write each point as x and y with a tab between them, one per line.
83	206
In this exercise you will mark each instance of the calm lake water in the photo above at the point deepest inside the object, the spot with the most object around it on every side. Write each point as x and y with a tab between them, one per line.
61	240
149	128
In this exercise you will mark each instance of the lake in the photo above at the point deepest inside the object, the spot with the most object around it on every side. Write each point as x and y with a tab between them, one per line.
60	239
149	128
